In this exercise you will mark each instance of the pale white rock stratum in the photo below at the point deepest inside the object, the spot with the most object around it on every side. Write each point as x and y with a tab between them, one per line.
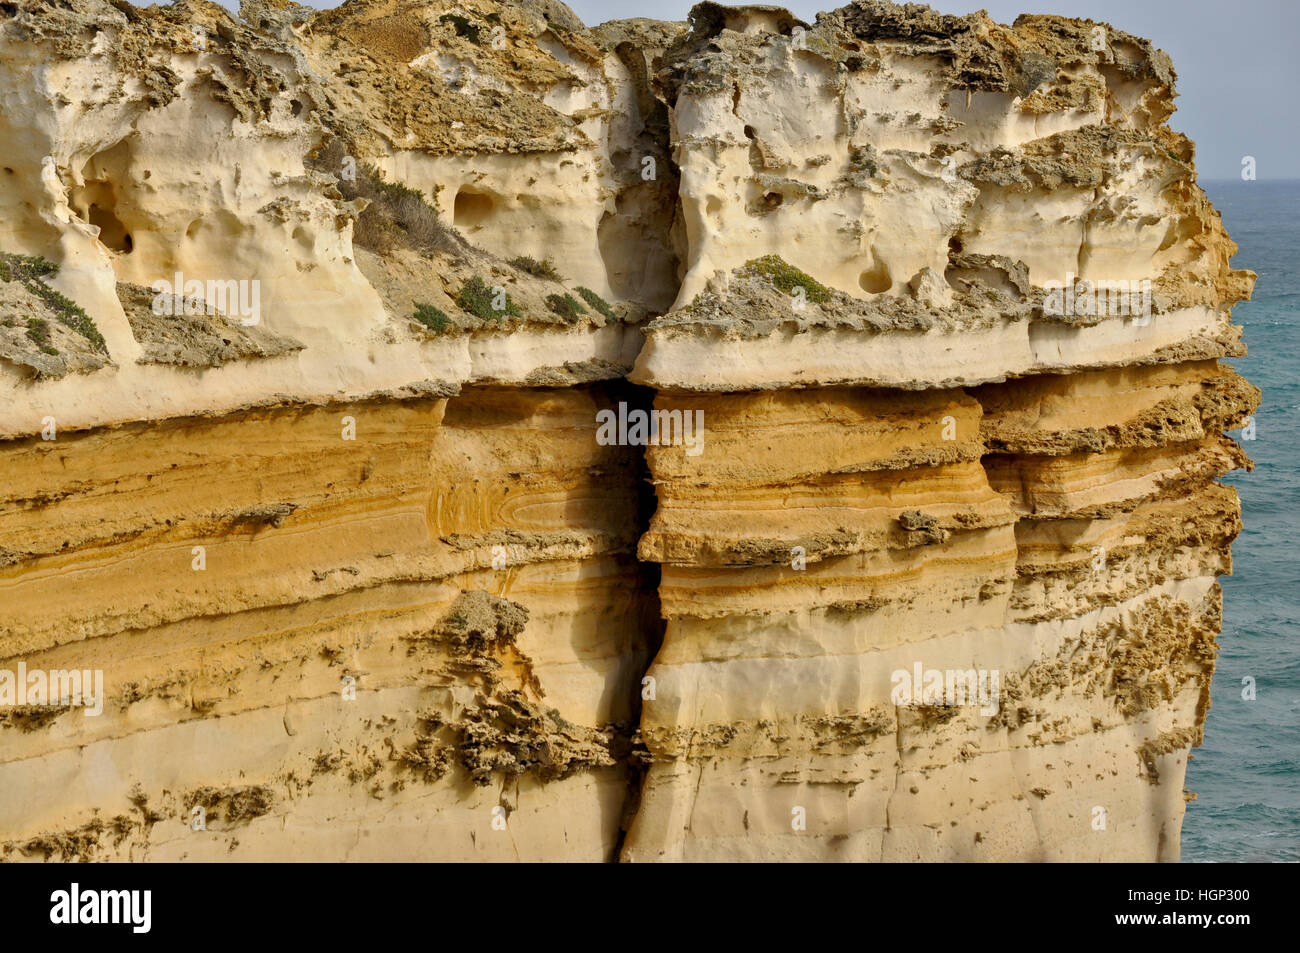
362	580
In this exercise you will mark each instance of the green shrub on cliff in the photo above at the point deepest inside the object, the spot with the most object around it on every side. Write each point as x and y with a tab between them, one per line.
786	277
29	271
476	297
597	302
435	319
566	306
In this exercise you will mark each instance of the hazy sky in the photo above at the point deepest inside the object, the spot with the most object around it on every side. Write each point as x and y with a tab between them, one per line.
1237	63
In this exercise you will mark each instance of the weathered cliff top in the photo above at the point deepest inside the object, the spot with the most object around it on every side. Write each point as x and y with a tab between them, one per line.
452	192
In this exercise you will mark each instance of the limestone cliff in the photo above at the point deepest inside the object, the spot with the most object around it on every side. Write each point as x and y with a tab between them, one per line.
326	343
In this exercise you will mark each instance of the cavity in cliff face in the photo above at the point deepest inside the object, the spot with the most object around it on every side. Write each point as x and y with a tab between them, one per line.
335	522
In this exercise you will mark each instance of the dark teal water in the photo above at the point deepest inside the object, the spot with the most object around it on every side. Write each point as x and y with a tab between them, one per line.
1247	773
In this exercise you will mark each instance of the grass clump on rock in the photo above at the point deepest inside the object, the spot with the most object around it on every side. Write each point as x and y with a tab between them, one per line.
396	215
566	306
435	319
38	329
476	297
597	302
786	277
538	269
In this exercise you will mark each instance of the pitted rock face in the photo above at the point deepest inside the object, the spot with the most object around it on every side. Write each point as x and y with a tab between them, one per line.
307	323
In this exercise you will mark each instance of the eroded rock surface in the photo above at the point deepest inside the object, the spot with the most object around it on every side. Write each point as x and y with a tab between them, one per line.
364	580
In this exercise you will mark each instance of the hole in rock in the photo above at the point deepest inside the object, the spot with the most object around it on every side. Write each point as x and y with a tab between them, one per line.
750	133
98	201
773	199
295	107
876	279
111	230
472	208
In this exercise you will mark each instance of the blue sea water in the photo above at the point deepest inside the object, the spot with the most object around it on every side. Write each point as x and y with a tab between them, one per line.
1247	773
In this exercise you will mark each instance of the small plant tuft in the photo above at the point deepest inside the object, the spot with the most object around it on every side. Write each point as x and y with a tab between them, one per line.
786	277
38	329
566	306
597	302
538	269
476	297
435	319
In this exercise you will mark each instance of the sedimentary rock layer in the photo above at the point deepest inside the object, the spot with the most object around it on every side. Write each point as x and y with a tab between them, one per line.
313	329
